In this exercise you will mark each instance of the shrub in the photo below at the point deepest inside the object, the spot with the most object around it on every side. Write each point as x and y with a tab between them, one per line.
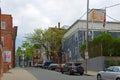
112	62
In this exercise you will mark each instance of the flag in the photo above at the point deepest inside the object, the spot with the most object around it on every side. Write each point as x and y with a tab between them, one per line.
104	21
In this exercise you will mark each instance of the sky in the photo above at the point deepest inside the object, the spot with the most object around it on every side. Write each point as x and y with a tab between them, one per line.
42	14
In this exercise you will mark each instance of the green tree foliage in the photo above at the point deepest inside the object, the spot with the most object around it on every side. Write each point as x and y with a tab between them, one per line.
49	39
36	37
54	40
112	62
19	51
26	49
103	45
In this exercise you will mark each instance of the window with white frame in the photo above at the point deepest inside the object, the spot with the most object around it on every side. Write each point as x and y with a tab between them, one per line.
3	25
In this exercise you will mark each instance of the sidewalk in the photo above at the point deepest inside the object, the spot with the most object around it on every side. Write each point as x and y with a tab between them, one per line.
18	74
91	73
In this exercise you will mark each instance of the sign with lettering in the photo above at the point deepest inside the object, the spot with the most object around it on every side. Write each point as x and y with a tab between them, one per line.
7	56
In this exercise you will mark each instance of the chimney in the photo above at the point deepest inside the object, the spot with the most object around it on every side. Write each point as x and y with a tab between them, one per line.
59	25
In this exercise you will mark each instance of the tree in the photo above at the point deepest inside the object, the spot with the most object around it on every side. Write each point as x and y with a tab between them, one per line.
49	39
103	45
38	39
19	53
55	36
27	50
115	47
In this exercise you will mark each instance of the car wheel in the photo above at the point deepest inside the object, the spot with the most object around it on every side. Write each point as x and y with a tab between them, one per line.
99	77
62	71
81	73
69	72
118	79
81	70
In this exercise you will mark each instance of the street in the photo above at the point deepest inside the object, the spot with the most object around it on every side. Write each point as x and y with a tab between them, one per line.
43	74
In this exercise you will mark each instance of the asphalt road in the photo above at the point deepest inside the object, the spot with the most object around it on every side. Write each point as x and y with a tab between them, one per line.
43	74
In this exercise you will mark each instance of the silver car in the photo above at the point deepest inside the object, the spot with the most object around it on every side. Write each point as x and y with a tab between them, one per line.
110	73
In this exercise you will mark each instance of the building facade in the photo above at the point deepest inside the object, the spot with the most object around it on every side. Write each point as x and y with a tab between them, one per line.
1	57
76	36
38	57
8	39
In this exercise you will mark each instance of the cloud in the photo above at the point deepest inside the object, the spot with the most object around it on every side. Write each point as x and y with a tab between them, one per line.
31	14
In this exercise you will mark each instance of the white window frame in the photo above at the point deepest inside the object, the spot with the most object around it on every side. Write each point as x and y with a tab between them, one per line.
3	25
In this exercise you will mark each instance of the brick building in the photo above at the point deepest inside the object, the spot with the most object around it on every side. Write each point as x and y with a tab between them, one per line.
1	58
38	57
8	39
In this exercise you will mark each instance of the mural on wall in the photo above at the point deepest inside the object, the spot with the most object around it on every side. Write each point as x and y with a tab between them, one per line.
7	56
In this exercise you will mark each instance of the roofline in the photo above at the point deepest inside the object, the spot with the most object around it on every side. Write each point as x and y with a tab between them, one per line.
6	14
89	21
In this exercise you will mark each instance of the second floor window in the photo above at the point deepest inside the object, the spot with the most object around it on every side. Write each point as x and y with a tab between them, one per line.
2	39
3	25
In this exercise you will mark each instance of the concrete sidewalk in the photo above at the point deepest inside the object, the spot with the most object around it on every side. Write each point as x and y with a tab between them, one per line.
18	74
91	73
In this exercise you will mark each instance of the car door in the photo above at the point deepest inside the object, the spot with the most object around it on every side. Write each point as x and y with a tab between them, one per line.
106	73
111	75
65	67
114	73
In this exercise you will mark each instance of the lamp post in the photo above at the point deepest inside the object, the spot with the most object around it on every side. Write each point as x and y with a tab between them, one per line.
86	50
23	59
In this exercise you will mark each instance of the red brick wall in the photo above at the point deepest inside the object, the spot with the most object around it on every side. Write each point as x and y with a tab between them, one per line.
1	64
8	39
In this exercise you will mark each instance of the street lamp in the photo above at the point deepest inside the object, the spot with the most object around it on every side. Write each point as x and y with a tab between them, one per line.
23	57
86	50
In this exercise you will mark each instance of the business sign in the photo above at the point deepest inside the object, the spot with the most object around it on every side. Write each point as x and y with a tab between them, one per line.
97	15
7	56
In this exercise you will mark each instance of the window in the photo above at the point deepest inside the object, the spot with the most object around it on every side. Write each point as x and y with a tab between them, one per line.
3	25
76	37
116	69
110	69
2	39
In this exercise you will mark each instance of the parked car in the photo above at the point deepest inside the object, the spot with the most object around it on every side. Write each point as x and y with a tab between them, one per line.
46	64
110	73
38	64
73	67
52	66
59	67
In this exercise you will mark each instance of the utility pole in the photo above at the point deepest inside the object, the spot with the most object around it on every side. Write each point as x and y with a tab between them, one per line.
86	51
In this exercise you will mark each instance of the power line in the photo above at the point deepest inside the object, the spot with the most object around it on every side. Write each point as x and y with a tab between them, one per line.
102	8
106	15
112	18
113	5
83	14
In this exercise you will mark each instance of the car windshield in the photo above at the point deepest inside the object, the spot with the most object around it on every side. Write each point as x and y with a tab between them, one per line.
77	64
39	62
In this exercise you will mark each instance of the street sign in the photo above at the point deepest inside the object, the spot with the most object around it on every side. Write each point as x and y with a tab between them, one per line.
86	55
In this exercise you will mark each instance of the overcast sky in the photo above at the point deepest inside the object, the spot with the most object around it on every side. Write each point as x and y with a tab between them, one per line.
32	14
